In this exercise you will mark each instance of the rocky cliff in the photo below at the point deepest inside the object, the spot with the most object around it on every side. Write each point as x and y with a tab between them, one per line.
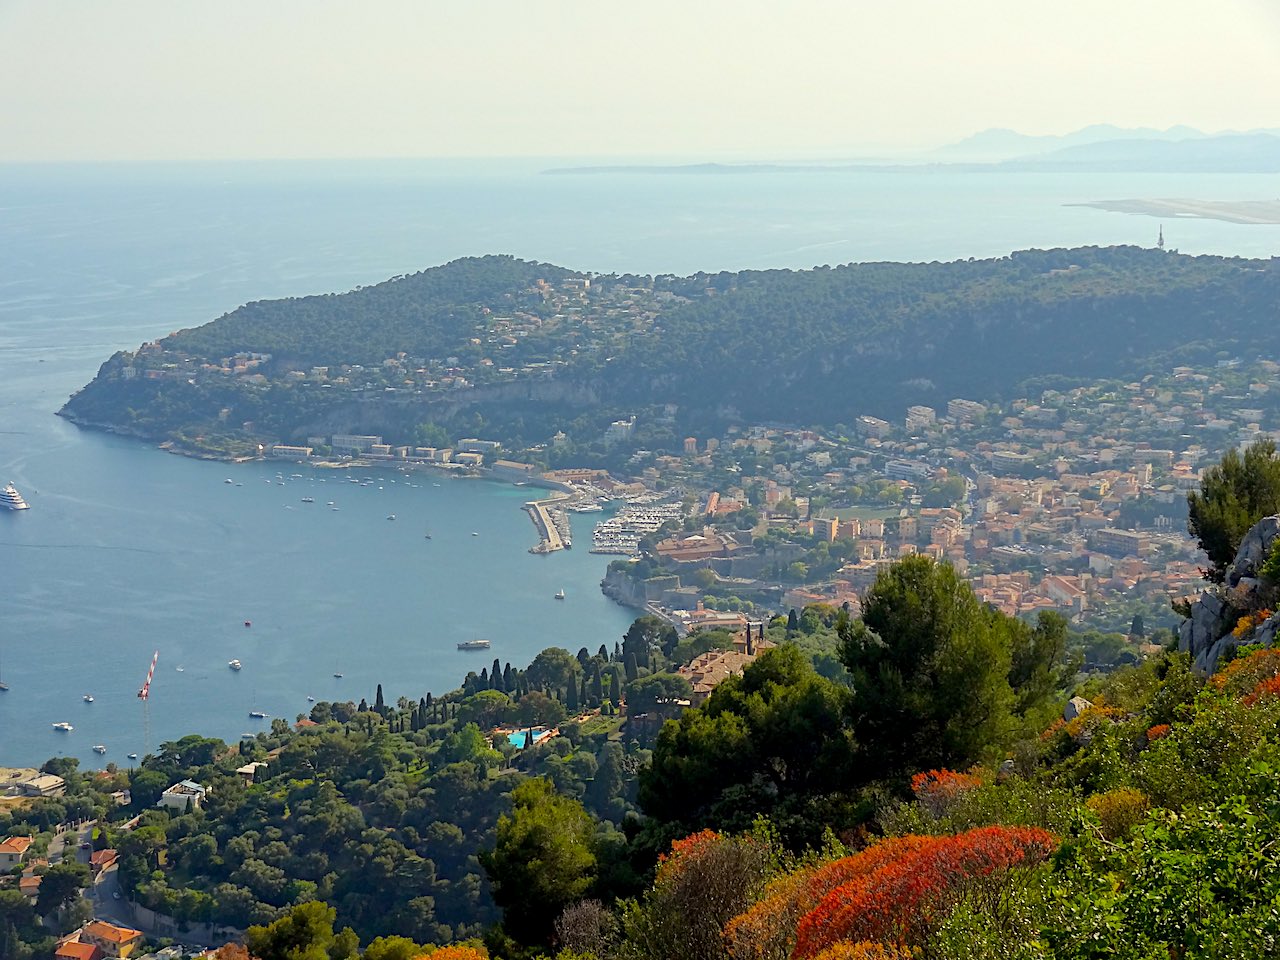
1208	632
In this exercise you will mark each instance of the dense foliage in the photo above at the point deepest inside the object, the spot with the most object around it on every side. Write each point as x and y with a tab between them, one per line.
823	343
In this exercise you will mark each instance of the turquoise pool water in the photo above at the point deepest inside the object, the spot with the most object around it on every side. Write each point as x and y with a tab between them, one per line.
517	737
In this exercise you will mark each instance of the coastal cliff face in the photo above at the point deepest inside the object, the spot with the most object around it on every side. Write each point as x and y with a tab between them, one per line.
1212	630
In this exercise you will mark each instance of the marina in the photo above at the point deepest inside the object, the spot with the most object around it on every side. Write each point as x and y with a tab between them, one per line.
641	516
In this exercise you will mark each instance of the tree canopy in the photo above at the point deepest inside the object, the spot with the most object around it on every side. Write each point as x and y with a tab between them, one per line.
1233	496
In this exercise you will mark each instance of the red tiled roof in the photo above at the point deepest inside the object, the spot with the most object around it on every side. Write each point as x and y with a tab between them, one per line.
110	932
15	844
76	950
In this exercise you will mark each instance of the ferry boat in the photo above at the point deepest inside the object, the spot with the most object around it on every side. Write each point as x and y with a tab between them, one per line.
11	499
63	726
474	645
234	664
99	748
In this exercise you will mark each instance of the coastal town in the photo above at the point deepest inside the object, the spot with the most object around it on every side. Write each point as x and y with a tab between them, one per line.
1072	500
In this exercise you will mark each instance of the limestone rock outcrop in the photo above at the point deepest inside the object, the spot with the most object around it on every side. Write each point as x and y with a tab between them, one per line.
1207	633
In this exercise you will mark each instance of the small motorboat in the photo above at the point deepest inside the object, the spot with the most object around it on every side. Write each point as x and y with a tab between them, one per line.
311	699
257	714
560	594
338	676
133	756
234	664
87	698
391	516
248	623
99	748
63	727
228	480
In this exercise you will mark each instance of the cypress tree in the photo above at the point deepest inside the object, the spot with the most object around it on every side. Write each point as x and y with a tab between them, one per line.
793	622
615	683
617	651
633	670
364	706
495	677
484	678
571	698
603	653
508	681
379	704
584	697
597	687
583	657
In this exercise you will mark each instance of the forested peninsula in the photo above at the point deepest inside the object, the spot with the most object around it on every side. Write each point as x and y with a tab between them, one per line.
529	349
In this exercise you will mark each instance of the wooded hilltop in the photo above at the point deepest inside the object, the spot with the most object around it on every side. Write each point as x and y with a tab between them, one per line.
532	348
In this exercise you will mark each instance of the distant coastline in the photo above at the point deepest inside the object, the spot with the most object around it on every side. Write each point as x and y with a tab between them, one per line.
1248	212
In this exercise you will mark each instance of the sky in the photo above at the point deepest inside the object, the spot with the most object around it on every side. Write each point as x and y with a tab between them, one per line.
149	80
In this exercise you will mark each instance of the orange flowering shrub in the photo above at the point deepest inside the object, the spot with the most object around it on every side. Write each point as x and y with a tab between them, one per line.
690	848
1249	622
867	950
936	790
1052	729
900	900
1089	720
1118	810
456	952
1158	732
768	930
1242	676
1268	689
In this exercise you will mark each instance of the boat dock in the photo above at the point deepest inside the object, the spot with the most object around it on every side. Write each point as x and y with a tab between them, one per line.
550	538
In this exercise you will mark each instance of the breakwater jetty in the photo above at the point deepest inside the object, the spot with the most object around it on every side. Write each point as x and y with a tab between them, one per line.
552	523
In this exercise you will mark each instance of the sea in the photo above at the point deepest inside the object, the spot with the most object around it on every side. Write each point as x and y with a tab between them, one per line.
129	552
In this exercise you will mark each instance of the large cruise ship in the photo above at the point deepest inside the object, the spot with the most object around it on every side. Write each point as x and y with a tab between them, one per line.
11	499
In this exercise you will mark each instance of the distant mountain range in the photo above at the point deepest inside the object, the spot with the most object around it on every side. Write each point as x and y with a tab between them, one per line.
1002	144
1098	148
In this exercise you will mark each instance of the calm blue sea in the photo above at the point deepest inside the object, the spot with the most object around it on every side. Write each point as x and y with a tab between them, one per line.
128	550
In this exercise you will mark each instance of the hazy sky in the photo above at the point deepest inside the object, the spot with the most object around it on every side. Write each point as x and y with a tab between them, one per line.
173	79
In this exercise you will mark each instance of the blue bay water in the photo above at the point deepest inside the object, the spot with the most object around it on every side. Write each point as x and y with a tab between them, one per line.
128	550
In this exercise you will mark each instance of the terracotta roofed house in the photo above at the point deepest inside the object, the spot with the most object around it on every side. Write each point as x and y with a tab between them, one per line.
13	850
78	950
114	941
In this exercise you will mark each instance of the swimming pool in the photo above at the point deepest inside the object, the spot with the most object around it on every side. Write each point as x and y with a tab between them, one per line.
517	737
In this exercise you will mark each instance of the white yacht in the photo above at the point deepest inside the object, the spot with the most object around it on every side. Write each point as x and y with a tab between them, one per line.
63	726
234	664
99	748
11	499
474	645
